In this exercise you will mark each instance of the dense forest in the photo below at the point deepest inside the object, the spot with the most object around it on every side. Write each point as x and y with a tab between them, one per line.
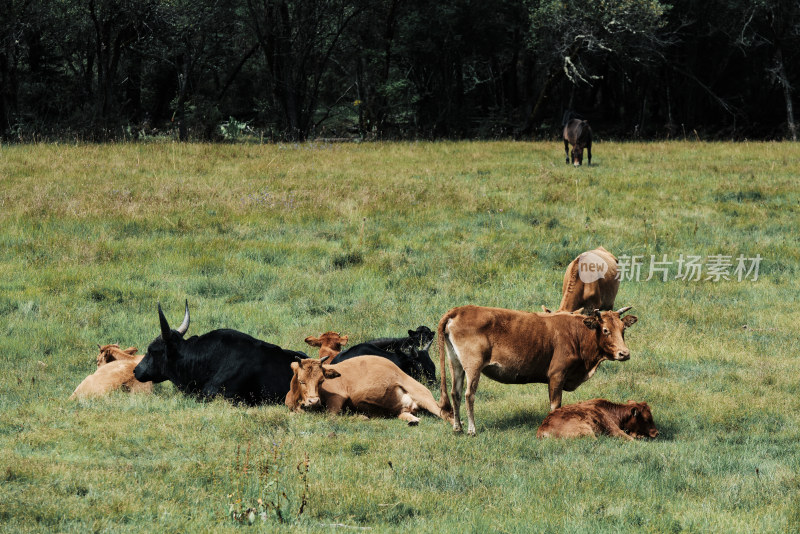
397	69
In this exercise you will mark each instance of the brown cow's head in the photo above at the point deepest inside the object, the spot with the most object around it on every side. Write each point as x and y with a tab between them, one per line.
610	328
639	423
577	154
328	340
308	377
112	352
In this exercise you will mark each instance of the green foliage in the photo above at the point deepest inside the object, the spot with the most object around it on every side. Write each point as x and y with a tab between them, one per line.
286	240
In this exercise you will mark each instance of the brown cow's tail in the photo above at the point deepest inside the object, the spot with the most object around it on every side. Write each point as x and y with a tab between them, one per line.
444	399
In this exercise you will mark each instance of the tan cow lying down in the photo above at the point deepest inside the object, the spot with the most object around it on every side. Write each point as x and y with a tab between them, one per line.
114	371
562	350
599	416
329	343
368	384
590	282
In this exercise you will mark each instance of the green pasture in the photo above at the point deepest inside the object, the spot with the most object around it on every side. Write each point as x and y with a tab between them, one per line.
285	241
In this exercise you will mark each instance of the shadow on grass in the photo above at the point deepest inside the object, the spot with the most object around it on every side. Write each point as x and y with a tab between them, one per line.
528	419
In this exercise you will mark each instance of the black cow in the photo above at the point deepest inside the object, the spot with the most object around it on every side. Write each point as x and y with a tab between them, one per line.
422	336
223	362
415	363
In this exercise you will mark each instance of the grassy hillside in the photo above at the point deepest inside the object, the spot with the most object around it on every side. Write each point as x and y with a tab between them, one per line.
285	241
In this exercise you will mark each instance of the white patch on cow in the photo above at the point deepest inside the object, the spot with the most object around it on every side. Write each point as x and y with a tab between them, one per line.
408	403
591	267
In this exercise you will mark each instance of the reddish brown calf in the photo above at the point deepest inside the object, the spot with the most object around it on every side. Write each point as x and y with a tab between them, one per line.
599	416
329	343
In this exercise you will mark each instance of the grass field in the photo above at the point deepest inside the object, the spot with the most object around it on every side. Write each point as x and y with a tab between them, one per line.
285	241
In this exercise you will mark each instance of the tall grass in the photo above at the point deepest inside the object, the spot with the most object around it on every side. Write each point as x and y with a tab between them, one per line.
284	241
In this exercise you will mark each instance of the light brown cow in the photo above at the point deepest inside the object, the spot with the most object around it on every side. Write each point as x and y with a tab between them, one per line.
590	282
114	371
112	352
369	384
329	343
516	347
599	416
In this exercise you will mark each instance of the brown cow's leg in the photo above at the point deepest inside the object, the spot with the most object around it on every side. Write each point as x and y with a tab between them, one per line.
334	403
457	372
409	418
472	388
422	398
555	387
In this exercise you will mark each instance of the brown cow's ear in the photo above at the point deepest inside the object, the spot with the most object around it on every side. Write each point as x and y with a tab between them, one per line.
343	340
130	350
629	320
327	372
634	412
591	323
295	366
313	341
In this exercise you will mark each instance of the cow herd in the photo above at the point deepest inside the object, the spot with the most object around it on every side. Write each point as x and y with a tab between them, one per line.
385	376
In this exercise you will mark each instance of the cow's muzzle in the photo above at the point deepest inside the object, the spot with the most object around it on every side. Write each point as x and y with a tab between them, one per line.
623	355
312	403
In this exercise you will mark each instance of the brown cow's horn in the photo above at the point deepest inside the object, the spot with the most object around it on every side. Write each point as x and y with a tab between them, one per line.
185	324
623	310
597	312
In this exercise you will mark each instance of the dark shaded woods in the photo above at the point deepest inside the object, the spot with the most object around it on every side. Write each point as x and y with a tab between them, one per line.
98	70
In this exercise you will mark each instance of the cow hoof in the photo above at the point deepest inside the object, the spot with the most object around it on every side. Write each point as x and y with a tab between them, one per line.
471	433
457	430
413	423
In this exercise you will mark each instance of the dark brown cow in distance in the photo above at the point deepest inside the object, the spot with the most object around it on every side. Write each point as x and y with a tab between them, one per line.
517	347
590	282
329	343
367	384
578	133
599	416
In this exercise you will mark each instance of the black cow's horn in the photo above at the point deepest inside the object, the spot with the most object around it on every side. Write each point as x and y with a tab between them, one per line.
623	310
185	324
326	358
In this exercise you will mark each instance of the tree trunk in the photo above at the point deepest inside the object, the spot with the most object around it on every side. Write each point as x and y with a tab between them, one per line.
780	72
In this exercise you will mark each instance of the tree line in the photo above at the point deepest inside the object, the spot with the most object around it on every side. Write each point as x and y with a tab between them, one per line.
397	69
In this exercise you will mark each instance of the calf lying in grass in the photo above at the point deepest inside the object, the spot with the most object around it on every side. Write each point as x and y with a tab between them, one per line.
367	384
599	416
114	371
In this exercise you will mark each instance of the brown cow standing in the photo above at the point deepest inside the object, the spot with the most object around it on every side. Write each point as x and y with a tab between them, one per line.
517	347
578	133
590	281
599	416
114	371
329	343
368	384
